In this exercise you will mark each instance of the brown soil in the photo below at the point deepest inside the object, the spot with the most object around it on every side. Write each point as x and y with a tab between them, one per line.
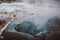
2	24
14	36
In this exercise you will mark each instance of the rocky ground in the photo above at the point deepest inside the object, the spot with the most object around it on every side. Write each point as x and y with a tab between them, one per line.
15	36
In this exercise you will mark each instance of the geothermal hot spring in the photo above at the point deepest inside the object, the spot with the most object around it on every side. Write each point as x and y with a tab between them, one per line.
34	17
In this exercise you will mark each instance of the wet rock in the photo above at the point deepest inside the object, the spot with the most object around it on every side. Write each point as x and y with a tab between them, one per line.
53	36
40	37
15	36
53	24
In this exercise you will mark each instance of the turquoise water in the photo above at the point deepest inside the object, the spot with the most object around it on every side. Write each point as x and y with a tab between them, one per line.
25	27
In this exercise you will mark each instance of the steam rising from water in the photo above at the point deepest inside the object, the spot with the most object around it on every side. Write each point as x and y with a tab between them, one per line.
41	2
46	10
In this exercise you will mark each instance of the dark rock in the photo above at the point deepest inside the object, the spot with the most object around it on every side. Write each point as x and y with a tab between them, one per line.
53	36
14	36
53	24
